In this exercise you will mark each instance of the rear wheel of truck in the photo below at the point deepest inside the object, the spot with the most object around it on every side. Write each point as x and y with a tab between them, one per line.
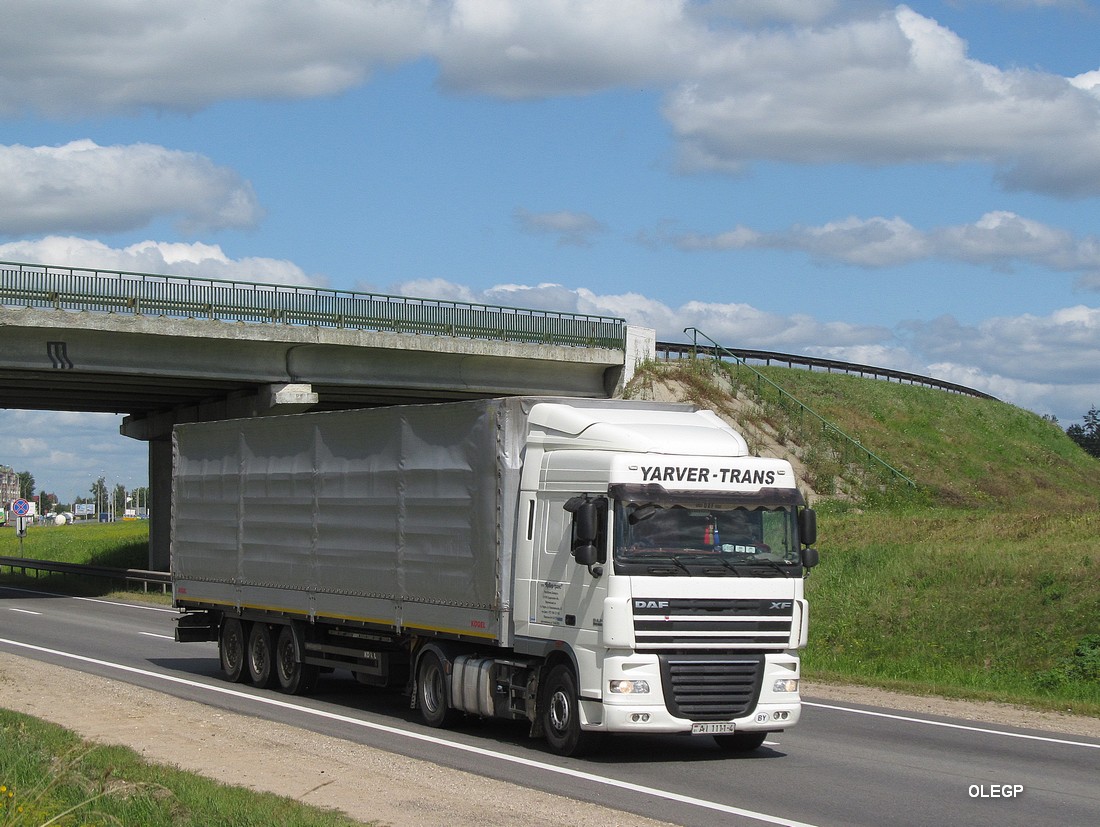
261	667
294	677
431	691
740	741
231	646
561	719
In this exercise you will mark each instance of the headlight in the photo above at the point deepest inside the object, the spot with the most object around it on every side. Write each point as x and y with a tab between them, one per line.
624	687
785	685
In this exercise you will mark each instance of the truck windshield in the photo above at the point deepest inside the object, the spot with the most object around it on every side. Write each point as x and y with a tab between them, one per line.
668	538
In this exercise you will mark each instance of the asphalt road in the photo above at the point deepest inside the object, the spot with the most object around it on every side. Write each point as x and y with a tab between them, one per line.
842	765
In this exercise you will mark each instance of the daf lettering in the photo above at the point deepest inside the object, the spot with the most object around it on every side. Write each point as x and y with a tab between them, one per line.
650	604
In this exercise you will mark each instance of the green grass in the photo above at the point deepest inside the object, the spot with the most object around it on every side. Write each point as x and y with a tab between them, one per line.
122	545
960	603
977	583
50	776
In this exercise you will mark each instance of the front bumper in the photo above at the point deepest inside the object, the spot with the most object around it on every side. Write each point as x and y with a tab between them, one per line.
656	711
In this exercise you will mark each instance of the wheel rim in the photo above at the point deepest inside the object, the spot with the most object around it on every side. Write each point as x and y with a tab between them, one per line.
259	655
432	683
559	711
285	659
234	647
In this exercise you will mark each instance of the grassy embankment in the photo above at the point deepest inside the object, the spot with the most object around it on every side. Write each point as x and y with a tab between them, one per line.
49	776
122	545
980	581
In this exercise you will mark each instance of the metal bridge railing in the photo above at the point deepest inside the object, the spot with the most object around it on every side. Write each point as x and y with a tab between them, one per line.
717	352
117	291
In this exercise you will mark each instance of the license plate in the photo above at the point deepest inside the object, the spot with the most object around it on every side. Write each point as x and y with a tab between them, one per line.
711	729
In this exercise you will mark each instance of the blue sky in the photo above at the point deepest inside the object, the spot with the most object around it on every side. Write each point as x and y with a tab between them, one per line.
910	186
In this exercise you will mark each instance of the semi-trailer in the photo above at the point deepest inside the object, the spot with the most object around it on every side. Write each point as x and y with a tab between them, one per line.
586	566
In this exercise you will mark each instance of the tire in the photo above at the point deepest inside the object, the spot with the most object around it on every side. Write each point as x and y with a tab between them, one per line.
231	649
293	676
561	719
431	692
740	742
261	656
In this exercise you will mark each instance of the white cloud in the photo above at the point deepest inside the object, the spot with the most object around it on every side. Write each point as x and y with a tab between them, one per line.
744	82
758	12
998	239
896	89
573	229
877	242
196	260
84	187
521	50
101	56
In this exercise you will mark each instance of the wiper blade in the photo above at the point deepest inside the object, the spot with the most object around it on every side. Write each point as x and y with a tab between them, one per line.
786	570
675	561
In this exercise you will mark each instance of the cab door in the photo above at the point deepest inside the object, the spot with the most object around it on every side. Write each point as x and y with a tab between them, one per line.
566	597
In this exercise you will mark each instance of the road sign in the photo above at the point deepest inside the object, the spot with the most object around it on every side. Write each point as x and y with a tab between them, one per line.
21	508
21	528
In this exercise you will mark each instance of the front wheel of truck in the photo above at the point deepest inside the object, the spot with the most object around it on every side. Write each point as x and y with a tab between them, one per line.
431	691
561	719
231	649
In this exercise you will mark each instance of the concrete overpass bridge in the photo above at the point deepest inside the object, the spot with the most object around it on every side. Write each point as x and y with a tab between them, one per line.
165	349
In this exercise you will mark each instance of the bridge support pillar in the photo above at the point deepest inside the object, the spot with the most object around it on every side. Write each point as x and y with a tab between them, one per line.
160	496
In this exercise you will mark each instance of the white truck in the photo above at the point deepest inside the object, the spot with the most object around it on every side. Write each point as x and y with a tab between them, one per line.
587	566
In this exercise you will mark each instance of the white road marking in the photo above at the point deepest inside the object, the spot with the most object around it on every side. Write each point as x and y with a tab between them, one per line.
947	725
147	606
416	736
23	611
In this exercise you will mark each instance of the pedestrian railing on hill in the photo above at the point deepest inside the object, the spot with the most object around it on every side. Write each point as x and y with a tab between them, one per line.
667	351
802	412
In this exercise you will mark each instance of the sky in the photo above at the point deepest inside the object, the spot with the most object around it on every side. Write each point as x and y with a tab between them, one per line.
905	186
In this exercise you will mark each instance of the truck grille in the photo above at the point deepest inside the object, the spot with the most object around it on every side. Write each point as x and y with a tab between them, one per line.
712	624
711	687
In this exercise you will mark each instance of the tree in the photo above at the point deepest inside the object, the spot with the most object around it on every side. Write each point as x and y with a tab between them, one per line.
1087	435
47	502
118	500
99	494
26	484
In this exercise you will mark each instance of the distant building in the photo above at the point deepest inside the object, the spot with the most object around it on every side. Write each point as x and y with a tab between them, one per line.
9	484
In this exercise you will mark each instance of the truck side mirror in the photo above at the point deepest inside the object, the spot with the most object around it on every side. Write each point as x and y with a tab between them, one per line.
809	557
586	529
807	526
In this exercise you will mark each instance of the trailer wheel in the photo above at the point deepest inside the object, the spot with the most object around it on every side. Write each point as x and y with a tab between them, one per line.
561	720
431	691
261	667
740	741
231	646
295	677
